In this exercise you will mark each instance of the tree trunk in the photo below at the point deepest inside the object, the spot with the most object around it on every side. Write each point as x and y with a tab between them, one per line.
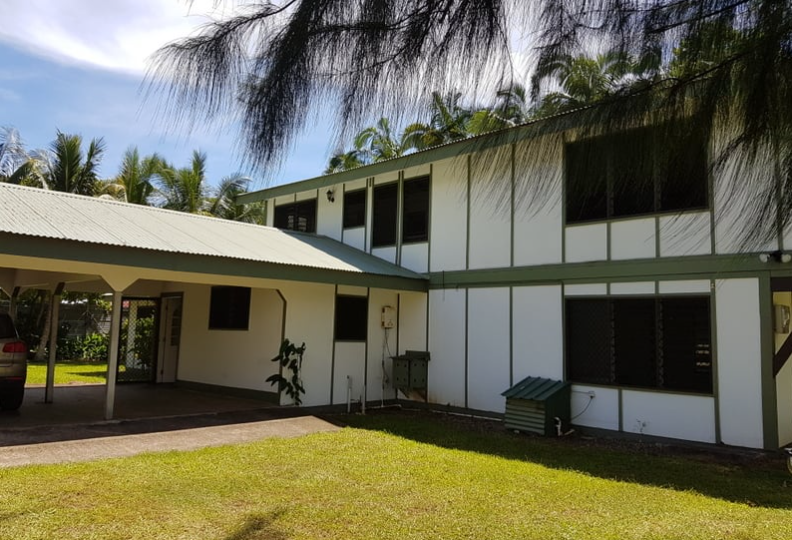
45	329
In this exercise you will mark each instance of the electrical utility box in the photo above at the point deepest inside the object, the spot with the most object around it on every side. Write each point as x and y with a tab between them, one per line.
411	373
388	317
534	403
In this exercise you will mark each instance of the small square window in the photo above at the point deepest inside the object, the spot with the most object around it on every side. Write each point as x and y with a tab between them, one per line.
354	209
229	308
351	318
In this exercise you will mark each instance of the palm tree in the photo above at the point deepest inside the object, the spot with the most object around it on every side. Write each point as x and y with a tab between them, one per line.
449	123
65	168
512	108
583	80
184	189
134	181
344	161
223	203
12	153
377	143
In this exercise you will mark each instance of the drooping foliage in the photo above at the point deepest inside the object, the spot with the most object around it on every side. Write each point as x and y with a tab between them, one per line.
725	63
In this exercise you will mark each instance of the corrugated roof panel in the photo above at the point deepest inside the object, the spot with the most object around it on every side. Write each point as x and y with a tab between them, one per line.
534	388
49	214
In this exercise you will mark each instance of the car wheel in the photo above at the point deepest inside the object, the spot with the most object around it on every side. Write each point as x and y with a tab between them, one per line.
11	398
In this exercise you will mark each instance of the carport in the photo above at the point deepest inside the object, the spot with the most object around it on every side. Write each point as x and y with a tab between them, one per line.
58	242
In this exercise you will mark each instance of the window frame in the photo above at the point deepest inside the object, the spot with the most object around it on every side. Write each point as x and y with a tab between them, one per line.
423	236
696	372
292	210
227	320
610	148
345	213
378	214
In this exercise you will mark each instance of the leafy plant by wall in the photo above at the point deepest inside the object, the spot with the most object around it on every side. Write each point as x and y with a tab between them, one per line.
290	358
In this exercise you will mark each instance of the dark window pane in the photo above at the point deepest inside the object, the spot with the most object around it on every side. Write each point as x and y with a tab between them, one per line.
683	174
299	216
354	209
415	217
351	318
384	215
631	170
686	350
586	182
635	342
229	308
588	341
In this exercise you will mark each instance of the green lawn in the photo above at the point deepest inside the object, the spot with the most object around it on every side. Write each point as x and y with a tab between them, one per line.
425	478
68	373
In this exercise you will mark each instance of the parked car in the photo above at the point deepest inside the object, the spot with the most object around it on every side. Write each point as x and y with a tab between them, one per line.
13	365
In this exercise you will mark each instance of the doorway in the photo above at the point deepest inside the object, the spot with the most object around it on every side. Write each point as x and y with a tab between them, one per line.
170	332
137	347
782	365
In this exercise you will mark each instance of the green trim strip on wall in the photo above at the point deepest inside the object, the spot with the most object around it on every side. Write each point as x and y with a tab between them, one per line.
333	354
769	398
467	218
467	341
67	250
699	267
511	336
714	360
513	191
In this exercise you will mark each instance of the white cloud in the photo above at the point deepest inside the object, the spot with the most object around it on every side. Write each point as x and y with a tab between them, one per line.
117	35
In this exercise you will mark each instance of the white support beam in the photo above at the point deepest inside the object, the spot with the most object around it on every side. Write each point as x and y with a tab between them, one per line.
112	363
49	391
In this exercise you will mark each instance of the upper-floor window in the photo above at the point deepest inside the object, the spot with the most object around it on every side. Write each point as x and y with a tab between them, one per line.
385	203
354	209
415	210
298	216
636	172
660	343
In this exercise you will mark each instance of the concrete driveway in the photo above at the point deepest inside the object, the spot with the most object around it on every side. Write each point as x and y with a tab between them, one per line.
151	419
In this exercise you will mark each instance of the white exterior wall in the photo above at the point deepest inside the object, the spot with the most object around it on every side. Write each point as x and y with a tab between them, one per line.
600	411
379	364
538	334
349	371
490	209
677	416
537	228
415	257
686	234
447	344
587	243
488	348
233	358
633	239
412	323
739	362
356	238
329	214
310	310
448	233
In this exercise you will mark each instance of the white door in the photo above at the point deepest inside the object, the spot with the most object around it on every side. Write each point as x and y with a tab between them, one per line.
171	337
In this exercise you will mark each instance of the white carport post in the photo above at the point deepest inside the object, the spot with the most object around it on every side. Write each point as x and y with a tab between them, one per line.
112	362
53	342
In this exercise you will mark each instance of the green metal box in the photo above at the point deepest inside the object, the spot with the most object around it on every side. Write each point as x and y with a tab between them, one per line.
411	370
534	403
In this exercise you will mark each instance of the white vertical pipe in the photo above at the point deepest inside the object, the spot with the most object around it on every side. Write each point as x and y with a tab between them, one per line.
112	362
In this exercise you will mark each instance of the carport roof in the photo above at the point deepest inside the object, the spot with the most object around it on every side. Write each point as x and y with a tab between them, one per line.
37	216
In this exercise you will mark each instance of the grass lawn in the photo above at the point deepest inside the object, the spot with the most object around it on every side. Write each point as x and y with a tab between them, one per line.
68	372
405	476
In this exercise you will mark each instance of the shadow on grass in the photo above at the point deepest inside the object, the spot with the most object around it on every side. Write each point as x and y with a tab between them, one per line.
752	478
100	374
258	527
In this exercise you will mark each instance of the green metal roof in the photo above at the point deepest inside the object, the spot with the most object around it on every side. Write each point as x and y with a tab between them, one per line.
535	389
134	233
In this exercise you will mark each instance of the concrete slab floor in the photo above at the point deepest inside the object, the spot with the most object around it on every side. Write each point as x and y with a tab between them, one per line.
79	404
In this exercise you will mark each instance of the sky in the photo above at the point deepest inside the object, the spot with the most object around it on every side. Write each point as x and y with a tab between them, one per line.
78	66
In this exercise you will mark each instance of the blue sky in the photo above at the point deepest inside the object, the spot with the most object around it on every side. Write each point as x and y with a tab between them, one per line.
78	66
